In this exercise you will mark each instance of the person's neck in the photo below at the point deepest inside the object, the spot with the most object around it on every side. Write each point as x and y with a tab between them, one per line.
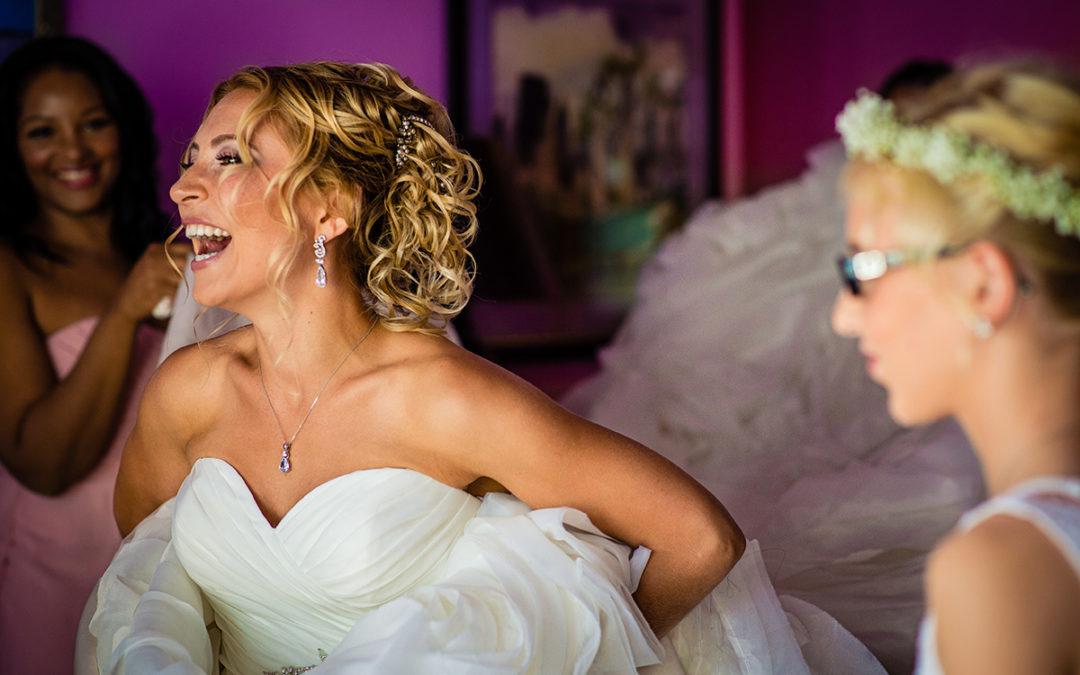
84	233
297	352
1022	412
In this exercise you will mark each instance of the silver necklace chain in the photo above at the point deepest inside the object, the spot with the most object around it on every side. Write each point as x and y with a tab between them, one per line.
285	464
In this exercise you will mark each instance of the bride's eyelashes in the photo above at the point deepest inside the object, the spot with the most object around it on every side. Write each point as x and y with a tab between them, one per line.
228	157
223	158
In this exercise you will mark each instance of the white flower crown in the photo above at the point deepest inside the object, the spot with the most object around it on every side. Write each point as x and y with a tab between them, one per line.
869	127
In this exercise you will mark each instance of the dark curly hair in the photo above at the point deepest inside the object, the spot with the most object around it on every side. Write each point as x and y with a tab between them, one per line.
137	216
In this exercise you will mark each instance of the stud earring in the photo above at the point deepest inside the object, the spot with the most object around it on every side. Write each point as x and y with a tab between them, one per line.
320	258
981	327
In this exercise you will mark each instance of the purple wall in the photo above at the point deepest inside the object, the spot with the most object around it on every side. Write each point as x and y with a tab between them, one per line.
805	58
178	51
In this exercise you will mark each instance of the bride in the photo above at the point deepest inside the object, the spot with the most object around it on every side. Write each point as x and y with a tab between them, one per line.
304	491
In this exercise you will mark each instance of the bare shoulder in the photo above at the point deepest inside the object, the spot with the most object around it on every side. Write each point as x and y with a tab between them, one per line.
14	292
7	255
9	264
1006	599
1000	549
181	401
447	401
454	386
193	377
479	418
26	370
471	419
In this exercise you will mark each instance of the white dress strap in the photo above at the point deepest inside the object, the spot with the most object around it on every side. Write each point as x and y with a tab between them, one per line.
1051	504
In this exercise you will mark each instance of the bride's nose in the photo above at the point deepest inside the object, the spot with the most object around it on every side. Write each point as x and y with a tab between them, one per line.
188	187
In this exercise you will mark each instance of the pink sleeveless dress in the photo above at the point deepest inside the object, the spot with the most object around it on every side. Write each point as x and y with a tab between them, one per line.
53	549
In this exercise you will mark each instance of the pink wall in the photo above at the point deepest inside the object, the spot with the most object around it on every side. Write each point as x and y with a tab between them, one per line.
178	51
805	58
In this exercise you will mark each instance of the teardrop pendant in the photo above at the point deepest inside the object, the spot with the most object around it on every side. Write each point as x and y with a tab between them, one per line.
284	465
320	277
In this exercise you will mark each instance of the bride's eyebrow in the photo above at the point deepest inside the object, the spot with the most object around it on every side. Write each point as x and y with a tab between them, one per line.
215	141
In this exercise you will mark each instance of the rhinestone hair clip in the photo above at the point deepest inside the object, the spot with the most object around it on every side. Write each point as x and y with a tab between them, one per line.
870	128
406	135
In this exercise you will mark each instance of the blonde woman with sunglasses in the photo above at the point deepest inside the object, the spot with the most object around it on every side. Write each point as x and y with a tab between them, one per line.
962	286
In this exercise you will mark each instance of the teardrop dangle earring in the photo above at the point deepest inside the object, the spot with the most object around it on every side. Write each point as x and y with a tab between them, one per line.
320	256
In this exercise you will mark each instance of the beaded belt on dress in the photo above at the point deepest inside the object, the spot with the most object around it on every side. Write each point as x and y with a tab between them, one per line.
295	670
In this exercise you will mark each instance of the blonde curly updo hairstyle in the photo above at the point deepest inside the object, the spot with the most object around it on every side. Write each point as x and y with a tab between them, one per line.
408	226
1032	112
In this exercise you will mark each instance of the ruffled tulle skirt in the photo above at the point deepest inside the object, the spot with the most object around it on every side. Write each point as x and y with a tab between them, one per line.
522	591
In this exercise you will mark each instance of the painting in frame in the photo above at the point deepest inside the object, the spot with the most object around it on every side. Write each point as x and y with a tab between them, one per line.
594	122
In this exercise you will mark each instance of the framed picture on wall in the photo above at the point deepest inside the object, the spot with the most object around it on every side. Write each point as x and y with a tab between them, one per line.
594	123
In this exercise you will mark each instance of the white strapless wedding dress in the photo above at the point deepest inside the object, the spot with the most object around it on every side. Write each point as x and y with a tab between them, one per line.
390	571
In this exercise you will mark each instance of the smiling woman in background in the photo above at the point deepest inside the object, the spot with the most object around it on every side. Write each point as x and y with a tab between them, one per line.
963	288
79	278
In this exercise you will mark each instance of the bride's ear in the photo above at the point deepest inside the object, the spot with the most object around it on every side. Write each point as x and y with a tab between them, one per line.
334	209
331	226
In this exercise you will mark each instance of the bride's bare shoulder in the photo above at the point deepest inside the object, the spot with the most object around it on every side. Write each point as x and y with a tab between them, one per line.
197	373
182	400
206	358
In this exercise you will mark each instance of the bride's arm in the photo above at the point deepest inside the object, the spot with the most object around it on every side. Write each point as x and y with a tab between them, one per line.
154	463
496	425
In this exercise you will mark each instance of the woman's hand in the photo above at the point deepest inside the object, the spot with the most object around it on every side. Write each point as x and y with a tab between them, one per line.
53	432
152	278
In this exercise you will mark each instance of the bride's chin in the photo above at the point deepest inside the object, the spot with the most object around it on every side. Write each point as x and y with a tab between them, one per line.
206	294
202	299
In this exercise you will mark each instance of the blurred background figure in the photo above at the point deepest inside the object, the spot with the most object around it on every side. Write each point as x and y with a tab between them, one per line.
80	275
960	282
727	365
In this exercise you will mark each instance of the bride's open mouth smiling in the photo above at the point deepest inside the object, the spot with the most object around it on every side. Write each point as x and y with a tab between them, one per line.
208	240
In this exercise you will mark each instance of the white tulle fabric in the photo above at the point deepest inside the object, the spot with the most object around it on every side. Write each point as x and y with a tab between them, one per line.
390	571
728	366
146	615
